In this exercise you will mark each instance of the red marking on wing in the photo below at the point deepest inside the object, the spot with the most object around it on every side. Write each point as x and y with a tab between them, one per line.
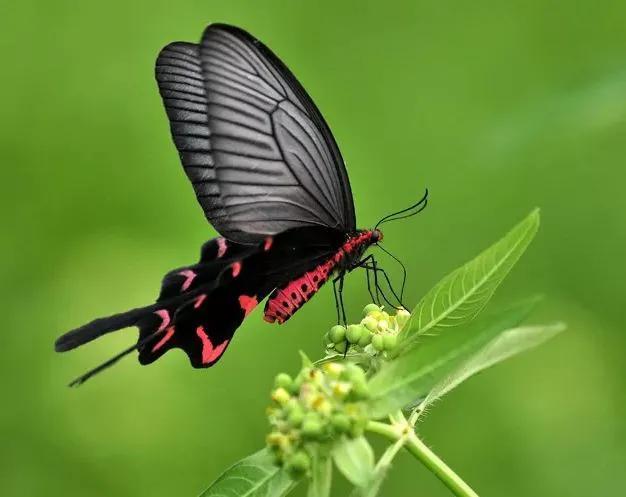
199	300
189	277
221	247
210	353
163	341
268	243
165	316
236	266
248	303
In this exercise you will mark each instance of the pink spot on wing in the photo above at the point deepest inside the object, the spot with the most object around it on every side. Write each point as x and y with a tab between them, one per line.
199	300
163	341
189	277
165	316
209	352
221	247
268	243
236	269
248	303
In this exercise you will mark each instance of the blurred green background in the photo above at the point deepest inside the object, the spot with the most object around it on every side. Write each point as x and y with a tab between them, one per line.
497	107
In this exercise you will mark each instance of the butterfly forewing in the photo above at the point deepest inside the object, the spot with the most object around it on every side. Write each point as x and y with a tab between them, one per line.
256	149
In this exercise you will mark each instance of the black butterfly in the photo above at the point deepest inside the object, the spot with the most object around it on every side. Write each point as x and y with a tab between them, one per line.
270	178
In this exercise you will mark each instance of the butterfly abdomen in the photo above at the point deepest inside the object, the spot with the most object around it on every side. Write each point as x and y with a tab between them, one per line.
286	300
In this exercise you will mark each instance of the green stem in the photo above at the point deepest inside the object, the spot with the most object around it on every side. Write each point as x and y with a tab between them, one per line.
427	457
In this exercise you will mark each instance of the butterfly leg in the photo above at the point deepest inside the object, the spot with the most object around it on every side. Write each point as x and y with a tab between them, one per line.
338	290
363	264
375	269
336	301
343	308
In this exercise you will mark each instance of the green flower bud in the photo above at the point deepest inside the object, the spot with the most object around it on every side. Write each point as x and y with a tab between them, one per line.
360	391
341	389
333	369
337	334
291	404
341	347
323	406
354	333
383	324
281	396
277	441
296	416
370	323
283	380
354	373
402	317
340	422
389	342
370	308
312	426
298	463
365	339
377	342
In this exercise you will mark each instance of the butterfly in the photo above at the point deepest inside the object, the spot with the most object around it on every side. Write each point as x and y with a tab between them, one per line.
270	179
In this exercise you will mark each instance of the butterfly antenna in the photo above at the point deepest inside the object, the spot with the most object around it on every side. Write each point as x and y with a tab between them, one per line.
410	211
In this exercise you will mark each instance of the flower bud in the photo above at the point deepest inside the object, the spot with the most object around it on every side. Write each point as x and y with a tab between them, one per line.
312	427
359	391
341	347
370	323
277	441
323	406
369	308
283	380
354	333
365	339
337	334
333	369
341	389
354	373
389	342
340	422
377	342
291	404
402	317
383	325
298	463
295	417
281	396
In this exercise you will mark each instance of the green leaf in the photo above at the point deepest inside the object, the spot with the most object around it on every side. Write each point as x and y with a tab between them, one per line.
254	476
321	475
507	344
413	375
355	460
461	295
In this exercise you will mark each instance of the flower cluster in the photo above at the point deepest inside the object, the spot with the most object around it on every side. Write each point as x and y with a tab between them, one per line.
318	406
376	333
